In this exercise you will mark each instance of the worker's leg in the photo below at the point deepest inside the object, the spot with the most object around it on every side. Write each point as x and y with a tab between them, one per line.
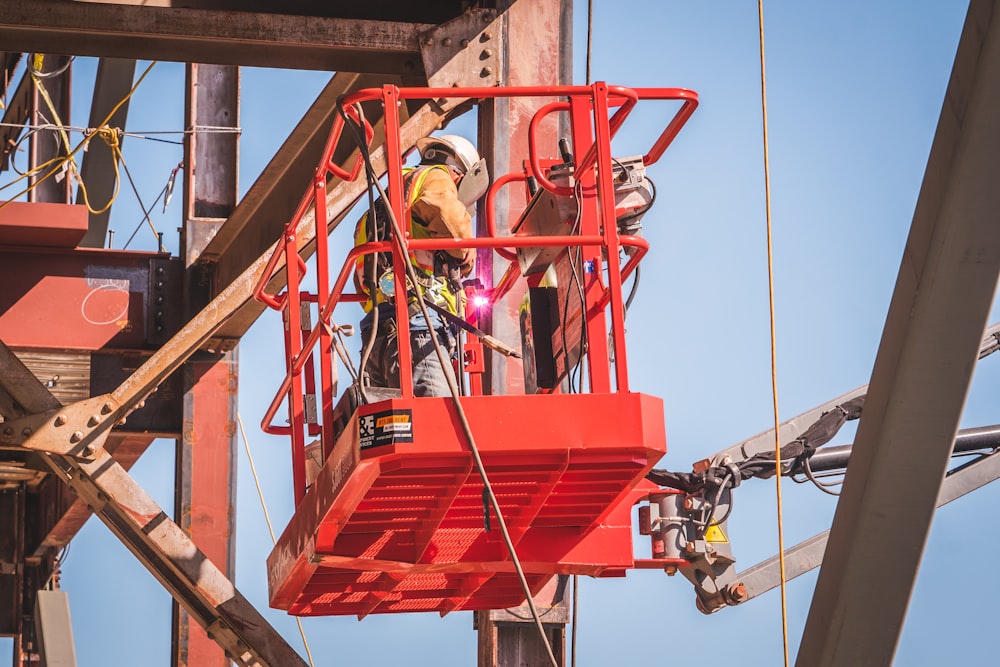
382	368
429	377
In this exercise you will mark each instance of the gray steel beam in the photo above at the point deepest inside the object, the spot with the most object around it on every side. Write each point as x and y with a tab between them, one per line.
53	629
922	372
808	555
211	36
98	167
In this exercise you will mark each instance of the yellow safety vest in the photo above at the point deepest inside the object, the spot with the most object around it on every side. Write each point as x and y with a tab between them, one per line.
433	287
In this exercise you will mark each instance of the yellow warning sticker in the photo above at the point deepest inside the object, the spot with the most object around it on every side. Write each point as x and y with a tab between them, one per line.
715	534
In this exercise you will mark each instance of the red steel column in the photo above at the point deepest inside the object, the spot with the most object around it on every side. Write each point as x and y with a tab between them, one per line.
205	493
538	52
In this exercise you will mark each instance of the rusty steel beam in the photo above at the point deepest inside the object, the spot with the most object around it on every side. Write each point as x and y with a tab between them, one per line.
64	513
539	59
205	489
233	310
159	543
49	185
15	115
205	470
269	203
98	167
211	36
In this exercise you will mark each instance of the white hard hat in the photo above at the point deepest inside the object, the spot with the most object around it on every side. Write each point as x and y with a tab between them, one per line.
459	153
449	149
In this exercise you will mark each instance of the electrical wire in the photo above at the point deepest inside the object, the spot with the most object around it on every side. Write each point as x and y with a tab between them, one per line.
267	519
459	408
67	162
774	362
34	64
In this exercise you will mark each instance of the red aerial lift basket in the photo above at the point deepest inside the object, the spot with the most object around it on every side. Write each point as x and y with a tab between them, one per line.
399	525
396	518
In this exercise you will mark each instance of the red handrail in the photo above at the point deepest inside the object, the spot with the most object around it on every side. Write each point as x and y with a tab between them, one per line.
597	99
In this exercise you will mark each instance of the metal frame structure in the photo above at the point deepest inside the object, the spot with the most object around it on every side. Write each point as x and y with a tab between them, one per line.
74	444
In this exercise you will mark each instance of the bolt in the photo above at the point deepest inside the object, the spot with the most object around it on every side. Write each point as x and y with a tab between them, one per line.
487	53
428	41
76	437
486	36
486	18
89	450
60	420
26	432
159	284
7	431
671	570
159	270
107	408
93	421
159	299
487	71
140	405
446	41
463	43
738	592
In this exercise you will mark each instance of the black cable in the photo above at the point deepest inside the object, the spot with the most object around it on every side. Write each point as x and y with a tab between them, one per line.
632	292
371	233
822	486
145	218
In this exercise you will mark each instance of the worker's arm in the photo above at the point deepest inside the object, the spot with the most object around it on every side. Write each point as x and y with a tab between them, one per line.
446	217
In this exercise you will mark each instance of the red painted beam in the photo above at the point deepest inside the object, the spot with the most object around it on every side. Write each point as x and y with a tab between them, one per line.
42	224
87	299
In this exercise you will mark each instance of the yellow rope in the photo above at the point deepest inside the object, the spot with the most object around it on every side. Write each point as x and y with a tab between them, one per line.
267	518
774	355
111	136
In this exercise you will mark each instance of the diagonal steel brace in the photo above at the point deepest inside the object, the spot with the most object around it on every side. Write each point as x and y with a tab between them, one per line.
159	543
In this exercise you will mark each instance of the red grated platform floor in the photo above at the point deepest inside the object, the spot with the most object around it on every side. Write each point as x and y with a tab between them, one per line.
396	520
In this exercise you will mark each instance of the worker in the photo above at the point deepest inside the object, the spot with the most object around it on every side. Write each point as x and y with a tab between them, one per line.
439	195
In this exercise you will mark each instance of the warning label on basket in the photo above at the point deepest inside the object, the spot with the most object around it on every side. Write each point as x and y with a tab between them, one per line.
385	428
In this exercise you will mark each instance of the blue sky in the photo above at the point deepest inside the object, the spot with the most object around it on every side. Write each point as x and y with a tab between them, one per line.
854	93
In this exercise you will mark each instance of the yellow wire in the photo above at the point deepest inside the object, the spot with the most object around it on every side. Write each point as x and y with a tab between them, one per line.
109	135
267	518
774	353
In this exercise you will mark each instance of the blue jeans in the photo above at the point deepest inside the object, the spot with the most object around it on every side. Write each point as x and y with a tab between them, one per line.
429	378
